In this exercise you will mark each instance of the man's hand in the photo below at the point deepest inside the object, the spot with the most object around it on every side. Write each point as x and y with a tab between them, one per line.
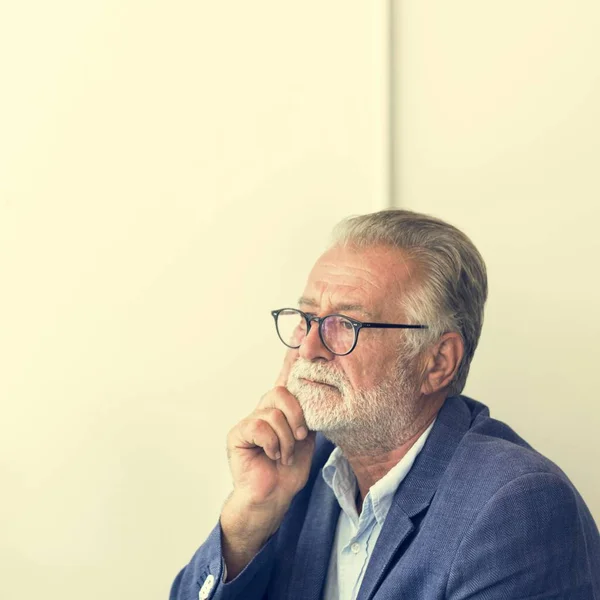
270	455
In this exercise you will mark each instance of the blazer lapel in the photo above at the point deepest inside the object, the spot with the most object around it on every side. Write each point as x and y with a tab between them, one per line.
416	491
315	543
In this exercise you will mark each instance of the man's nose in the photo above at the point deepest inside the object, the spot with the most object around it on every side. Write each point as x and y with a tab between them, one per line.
312	347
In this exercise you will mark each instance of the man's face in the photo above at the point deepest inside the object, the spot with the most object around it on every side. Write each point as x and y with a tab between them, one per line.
361	393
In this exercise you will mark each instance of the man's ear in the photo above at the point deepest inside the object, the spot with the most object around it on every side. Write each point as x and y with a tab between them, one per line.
442	363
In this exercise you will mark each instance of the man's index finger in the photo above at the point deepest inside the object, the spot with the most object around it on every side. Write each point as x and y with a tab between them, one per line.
290	358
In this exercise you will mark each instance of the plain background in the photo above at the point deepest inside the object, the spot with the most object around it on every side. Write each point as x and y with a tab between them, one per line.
168	174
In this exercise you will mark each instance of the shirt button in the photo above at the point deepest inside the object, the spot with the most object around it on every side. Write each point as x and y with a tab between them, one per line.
205	590
355	548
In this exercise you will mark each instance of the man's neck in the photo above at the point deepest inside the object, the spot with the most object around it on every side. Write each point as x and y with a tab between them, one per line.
370	469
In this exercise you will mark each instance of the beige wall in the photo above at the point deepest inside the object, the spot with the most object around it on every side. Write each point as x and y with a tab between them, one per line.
498	131
167	173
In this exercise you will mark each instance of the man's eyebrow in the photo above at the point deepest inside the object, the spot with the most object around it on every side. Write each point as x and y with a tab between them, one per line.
338	308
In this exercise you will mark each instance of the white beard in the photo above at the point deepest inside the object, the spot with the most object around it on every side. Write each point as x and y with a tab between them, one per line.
362	422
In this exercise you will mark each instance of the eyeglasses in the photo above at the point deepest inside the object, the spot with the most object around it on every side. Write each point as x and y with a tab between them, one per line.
338	333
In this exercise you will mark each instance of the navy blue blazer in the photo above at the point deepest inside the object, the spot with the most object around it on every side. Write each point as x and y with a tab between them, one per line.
480	515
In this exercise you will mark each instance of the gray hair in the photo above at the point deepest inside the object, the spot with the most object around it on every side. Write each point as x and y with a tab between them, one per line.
452	282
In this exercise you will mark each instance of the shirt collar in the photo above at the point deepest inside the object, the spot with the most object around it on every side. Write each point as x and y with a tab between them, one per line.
338	475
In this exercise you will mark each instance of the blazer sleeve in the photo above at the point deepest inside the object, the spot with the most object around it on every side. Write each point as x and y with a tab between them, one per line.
534	539
204	574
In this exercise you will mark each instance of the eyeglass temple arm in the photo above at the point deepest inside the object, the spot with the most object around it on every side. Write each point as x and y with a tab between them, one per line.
393	326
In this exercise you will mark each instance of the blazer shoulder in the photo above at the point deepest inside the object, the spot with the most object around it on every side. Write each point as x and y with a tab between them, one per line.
492	451
495	474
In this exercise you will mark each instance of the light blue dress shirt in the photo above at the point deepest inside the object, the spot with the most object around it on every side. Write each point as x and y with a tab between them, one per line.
355	535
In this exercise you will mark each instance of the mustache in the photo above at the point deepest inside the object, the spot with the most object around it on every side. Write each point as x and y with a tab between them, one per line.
305	369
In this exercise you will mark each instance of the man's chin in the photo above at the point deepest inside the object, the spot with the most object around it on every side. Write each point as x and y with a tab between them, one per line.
327	427
318	402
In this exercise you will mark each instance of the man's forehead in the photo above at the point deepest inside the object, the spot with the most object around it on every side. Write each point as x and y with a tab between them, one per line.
378	267
357	279
337	307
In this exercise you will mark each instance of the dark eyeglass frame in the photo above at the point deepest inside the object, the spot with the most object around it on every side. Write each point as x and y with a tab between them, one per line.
356	324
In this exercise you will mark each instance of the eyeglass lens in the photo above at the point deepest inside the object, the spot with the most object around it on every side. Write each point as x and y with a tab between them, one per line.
337	332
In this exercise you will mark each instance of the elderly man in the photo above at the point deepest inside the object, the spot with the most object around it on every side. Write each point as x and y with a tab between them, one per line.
409	490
